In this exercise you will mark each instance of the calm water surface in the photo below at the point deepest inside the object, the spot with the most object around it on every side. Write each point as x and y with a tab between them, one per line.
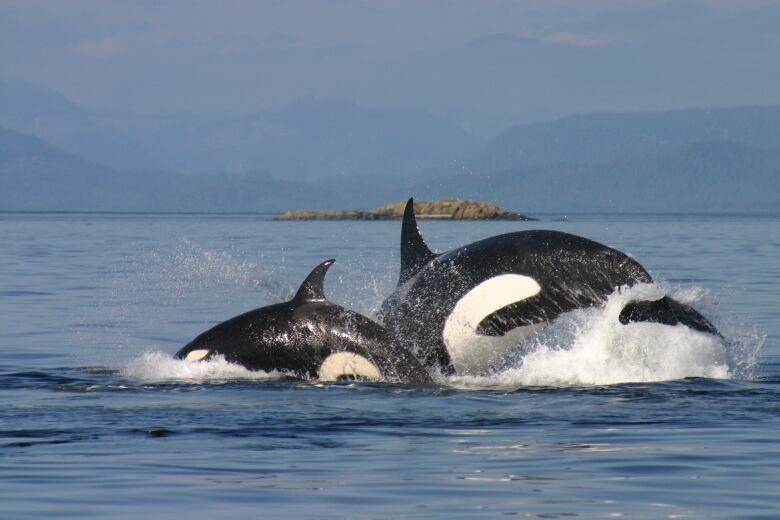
96	420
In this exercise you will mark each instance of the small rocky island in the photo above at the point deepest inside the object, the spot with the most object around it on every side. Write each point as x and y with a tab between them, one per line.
447	209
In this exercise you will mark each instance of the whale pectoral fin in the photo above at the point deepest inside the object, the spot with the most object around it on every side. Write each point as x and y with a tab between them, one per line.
414	252
313	287
518	314
667	312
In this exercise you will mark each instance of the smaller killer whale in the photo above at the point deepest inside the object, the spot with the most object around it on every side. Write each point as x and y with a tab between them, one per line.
462	310
309	337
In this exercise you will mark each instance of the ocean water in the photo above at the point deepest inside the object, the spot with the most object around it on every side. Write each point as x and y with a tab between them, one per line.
596	420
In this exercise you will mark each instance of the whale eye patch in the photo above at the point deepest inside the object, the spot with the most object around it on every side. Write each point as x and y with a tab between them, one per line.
348	366
473	346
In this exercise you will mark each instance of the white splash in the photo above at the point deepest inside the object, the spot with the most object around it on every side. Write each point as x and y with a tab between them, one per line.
587	347
161	366
591	347
188	265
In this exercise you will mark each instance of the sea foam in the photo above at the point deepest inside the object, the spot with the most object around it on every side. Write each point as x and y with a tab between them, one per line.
591	347
161	366
586	347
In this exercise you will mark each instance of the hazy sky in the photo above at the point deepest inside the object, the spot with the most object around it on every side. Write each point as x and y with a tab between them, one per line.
468	60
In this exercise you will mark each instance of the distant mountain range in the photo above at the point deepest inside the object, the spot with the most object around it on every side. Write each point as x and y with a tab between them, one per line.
55	155
700	177
309	139
36	176
34	110
599	138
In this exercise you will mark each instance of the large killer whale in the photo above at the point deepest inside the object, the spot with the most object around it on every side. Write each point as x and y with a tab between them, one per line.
309	337
461	311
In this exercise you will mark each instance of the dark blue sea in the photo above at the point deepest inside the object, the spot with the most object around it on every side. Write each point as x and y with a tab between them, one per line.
98	421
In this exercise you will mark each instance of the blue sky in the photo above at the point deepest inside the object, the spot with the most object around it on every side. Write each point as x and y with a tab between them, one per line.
472	62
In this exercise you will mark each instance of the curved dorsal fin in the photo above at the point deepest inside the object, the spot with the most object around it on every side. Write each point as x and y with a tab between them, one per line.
312	289
414	251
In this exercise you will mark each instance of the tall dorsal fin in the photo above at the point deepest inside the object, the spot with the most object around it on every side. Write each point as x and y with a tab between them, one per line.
414	251
312	289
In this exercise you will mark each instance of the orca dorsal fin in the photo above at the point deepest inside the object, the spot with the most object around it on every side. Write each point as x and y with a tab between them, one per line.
414	251
313	287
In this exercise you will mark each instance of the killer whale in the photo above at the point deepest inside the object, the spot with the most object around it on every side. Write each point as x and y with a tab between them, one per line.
309	337
462	310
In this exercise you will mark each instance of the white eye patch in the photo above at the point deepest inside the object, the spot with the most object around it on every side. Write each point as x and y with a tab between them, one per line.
348	365
197	355
472	353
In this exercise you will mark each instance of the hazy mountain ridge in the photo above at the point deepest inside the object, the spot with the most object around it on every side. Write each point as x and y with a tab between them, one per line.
706	177
602	137
336	156
31	109
308	139
36	176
